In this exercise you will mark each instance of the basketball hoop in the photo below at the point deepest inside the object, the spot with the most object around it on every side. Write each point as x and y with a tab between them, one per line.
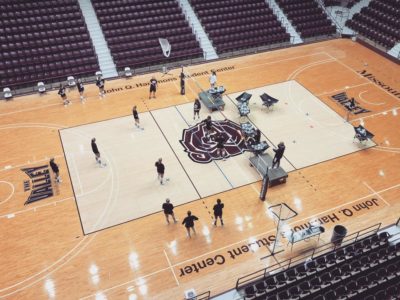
165	46
166	49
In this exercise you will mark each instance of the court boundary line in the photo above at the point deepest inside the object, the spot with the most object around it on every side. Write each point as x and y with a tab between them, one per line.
72	185
375	193
241	241
348	87
171	268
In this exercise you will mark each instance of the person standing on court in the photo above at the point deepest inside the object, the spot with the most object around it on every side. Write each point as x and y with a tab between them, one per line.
55	169
100	84
221	151
168	210
196	109
81	90
213	79
278	155
63	94
153	87
218	212
97	153
160	170
189	223
136	117
208	123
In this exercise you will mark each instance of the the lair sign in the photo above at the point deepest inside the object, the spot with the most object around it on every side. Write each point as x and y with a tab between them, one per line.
39	183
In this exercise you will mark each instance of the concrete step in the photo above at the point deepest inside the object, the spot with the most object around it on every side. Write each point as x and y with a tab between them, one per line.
197	28
104	57
278	12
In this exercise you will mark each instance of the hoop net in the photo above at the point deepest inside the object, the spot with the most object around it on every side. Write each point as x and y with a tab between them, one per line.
165	46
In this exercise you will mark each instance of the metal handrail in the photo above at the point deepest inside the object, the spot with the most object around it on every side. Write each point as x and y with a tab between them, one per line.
262	273
322	5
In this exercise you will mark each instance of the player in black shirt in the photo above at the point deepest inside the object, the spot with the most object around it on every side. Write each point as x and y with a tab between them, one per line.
196	109
153	87
208	124
257	136
136	117
97	153
168	210
160	170
81	90
63	94
55	170
100	84
278	155
189	222
218	212
220	139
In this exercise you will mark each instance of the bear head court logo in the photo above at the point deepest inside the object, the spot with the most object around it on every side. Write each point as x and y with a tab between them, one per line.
202	145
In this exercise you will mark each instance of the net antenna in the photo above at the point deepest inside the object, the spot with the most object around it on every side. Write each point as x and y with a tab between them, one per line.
166	50
281	213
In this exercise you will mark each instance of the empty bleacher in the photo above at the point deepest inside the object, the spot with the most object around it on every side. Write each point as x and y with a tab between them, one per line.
379	22
367	266
235	24
43	41
348	3
132	29
307	17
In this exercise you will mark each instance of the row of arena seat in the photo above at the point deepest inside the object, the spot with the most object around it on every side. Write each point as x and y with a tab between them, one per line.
234	25
139	4
134	10
302	13
379	22
117	23
40	41
349	4
354	271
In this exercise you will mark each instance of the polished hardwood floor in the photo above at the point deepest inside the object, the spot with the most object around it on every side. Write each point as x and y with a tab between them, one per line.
44	253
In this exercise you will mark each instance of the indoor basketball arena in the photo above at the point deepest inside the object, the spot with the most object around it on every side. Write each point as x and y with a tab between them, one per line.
197	149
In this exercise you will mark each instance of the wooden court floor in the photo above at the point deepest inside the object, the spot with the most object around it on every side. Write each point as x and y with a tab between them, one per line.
44	254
